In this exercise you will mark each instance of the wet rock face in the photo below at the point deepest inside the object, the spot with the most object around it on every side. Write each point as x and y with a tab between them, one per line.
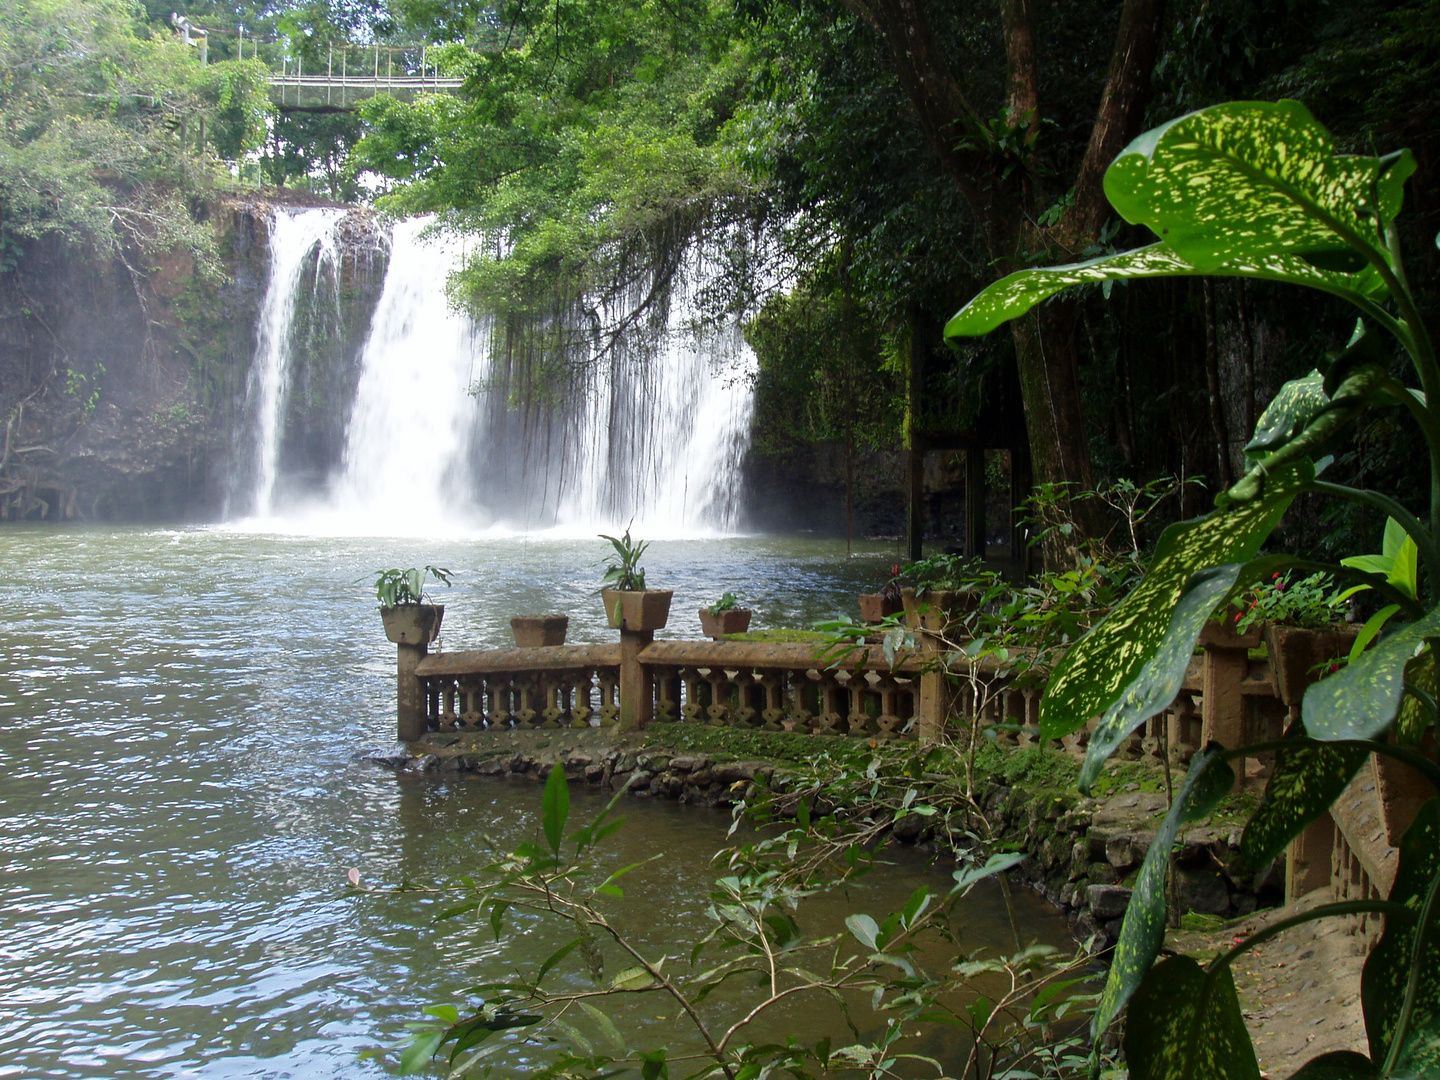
122	383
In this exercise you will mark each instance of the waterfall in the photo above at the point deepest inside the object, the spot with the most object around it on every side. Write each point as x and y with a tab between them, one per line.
294	238
650	436
406	443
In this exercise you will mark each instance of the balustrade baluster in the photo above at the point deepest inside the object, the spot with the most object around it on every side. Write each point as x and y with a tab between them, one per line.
772	685
719	710
527	692
857	720
472	701
500	701
889	723
803	689
609	697
580	710
667	694
692	709
552	694
834	705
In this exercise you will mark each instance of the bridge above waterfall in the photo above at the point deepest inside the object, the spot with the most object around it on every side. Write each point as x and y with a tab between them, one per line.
346	73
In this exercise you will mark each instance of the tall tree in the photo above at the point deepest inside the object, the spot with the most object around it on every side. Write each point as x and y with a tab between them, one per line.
993	161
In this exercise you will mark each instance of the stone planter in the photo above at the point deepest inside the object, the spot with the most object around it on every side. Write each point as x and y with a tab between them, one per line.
937	609
536	631
412	624
1297	653
648	610
876	606
734	621
1223	635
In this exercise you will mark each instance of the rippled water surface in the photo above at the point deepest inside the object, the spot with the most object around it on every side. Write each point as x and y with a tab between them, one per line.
179	802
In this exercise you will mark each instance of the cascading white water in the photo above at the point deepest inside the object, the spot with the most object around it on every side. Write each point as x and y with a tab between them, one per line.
405	447
653	437
294	237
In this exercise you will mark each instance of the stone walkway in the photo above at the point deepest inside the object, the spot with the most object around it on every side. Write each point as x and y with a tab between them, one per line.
1300	992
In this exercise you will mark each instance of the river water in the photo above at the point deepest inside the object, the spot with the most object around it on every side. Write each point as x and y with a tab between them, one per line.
179	799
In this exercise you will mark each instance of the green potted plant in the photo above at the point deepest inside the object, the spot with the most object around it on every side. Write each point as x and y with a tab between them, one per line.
725	616
538	631
629	605
942	587
1303	624
408	618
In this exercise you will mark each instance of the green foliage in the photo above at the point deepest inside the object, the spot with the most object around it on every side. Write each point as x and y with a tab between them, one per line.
1311	602
568	1026
393	587
1185	1024
103	117
1257	190
727	602
626	573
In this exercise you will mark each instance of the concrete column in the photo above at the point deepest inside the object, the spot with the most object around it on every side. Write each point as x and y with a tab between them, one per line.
409	693
1223	710
936	694
975	502
1307	859
637	694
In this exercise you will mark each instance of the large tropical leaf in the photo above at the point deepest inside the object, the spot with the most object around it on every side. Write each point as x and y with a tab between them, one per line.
1143	932
1113	654
1290	411
1185	1024
1015	294
1387	973
1320	426
1249	179
1308	777
1338	1065
1160	679
1361	701
1415	715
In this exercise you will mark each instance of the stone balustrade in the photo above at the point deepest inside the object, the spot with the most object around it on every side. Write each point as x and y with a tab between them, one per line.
1226	696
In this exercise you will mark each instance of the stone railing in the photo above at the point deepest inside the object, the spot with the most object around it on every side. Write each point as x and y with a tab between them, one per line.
1227	696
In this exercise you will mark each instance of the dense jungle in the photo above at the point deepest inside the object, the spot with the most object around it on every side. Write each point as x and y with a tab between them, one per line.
1087	342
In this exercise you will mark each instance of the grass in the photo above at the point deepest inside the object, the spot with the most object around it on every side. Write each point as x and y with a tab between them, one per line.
783	636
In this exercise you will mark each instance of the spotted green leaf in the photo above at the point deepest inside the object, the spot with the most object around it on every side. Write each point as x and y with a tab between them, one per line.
1289	413
1155	687
1095	671
1143	932
1185	1024
1419	1058
1415	715
1015	294
1338	1065
1361	700
1350	399
1388	970
1308	776
1248	179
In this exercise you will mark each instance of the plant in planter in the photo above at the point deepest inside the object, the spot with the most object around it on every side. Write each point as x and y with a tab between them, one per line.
1301	623
629	605
725	616
1257	190
404	608
942	587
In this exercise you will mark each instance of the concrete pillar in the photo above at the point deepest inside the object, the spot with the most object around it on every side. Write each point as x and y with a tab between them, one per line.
409	693
1307	859
936	694
637	694
975	502
1223	709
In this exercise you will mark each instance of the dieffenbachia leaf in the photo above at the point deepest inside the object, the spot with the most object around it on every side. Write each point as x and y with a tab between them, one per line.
1338	1065
1249	179
1159	680
1320	426
1015	294
1185	1024
1361	700
1290	411
1143	932
1387	972
1307	777
1419	1058
1415	714
1099	666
